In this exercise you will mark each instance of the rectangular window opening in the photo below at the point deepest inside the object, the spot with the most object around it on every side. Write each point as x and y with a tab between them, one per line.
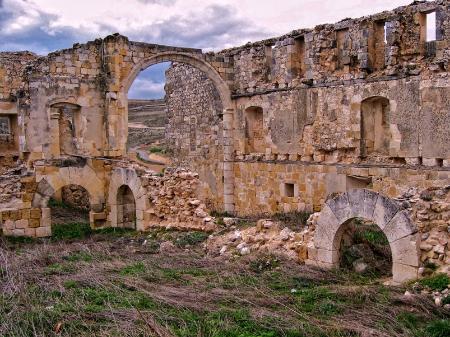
289	190
430	23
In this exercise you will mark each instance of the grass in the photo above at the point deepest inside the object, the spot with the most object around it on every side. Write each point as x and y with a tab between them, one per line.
103	284
157	149
71	231
436	282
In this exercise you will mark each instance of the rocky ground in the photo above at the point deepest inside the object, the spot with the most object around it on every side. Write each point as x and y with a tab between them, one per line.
169	283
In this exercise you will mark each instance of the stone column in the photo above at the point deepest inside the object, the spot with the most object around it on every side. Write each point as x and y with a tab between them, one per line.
228	161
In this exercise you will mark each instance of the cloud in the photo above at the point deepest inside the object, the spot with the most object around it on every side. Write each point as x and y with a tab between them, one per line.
25	25
159	2
214	28
150	83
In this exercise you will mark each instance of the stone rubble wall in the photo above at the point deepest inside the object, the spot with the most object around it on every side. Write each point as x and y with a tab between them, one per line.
12	65
431	213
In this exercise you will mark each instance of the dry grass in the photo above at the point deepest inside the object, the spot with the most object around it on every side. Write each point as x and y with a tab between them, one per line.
107	285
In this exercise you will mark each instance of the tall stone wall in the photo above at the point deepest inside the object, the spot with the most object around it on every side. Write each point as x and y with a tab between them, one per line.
195	127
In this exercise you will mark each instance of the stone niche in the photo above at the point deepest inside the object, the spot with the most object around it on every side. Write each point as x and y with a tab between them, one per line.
254	130
375	126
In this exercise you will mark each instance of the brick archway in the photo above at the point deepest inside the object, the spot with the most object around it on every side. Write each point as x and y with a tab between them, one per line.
394	221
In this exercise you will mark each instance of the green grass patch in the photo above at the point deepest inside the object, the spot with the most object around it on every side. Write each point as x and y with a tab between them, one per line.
59	269
190	239
79	256
71	231
133	269
19	240
436	282
157	149
439	328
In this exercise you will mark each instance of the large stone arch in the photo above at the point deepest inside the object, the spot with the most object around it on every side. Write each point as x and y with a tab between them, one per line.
394	221
190	59
224	91
127	177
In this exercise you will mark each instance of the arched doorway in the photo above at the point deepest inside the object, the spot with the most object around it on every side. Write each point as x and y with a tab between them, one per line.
126	208
70	205
395	223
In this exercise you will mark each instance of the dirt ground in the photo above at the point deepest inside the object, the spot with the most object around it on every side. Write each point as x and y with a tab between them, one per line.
163	284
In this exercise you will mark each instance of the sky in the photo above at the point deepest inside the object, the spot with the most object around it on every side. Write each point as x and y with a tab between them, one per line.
42	26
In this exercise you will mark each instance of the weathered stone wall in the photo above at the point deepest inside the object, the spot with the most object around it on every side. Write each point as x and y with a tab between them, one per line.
346	51
195	129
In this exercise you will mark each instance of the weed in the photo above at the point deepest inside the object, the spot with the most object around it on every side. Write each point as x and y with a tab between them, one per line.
436	282
264	263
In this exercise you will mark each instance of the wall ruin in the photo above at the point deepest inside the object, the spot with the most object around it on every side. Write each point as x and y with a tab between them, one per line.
273	126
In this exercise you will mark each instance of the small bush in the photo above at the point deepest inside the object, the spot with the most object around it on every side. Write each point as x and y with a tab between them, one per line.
71	231
436	282
439	328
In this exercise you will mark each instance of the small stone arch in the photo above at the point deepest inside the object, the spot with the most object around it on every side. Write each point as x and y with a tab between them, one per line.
386	213
126	177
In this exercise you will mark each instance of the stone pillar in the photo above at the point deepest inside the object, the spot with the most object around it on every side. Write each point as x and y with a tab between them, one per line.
228	158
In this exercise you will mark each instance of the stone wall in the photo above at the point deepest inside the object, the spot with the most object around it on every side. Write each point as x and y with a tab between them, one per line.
195	128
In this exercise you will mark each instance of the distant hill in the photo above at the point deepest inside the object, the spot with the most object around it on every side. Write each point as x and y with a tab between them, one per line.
146	121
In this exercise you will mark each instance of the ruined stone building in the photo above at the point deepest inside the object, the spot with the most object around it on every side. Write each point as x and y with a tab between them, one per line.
349	120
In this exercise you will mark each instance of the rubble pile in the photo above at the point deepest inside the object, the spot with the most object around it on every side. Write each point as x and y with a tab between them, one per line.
173	202
266	237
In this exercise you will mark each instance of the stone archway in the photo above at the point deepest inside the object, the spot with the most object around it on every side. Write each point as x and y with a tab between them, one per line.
224	91
126	208
126	180
394	221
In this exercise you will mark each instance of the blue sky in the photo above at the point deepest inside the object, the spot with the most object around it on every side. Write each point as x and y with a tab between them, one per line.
43	26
